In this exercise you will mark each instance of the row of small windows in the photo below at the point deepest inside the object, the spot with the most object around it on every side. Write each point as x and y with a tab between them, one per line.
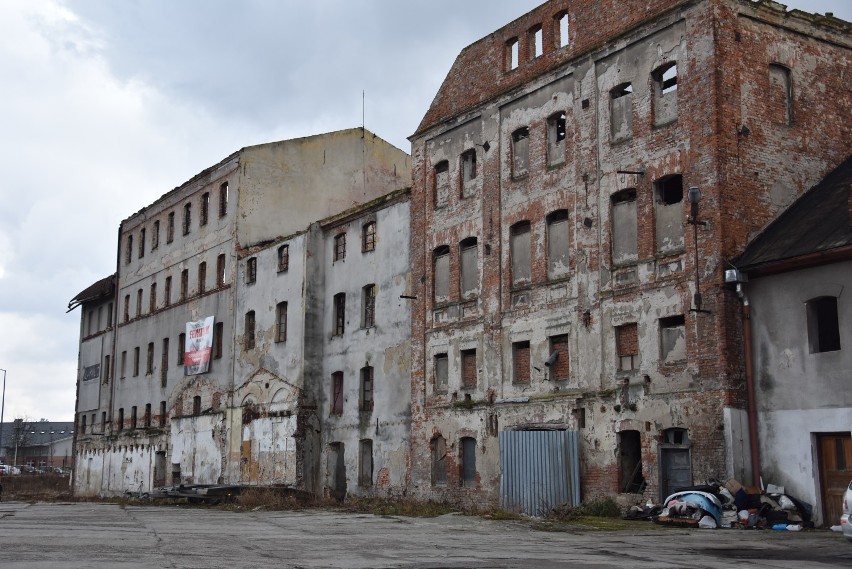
147	419
535	41
204	209
368	241
95	321
283	264
366	389
183	293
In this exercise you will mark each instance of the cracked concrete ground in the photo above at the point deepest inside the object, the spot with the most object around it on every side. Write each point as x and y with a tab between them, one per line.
81	535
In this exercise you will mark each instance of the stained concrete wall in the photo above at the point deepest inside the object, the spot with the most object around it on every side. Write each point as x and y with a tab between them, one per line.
785	369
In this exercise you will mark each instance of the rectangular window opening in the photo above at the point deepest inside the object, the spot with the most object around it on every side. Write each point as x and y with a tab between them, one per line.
337	393
673	339
366	398
521	362
339	314
281	322
469	371
627	346
249	330
368	306
441	372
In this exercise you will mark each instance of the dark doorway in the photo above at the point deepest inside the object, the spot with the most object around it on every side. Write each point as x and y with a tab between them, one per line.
630	478
337	471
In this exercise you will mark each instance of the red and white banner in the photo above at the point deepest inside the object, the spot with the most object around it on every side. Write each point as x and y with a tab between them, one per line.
199	345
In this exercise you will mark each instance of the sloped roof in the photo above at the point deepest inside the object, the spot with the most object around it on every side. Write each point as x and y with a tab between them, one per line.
101	289
36	433
817	223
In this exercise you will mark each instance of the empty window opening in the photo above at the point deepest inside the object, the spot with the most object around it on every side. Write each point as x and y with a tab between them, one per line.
107	375
520	252
162	413
468	361
439	461
521	362
442	183
441	271
469	266
557	244
365	463
520	152
627	346
181	349
823	325
559	368
622	112
109	316
625	228
218	335
672	339
780	94
128	249
223	199
155	236
149	361
187	218
665	78
512	52
249	330
536	42
368	237
664	81
281	322
123	364
184	284
366	399
202	277
205	208
133	417
141	243
441	372
220	270
368	306
139	294
152	299
196	405
556	133
337	393
251	270
340	247
468	461
468	161
170	227
562	26
164	363
147	419
630	479
676	436
339	314
120	421
670	189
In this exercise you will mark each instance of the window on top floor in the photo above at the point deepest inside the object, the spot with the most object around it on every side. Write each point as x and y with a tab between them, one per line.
187	218
170	227
155	235
561	21
128	249
468	167
442	183
126	307
141	243
205	208
223	199
368	237
283	258
512	54
520	152
441	273
621	112
340	247
664	79
823	325
536	38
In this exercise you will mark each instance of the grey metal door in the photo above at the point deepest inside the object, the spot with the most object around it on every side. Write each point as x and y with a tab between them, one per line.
539	470
676	470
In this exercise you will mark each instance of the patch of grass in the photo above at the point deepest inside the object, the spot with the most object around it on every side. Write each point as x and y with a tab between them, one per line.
269	499
401	507
599	508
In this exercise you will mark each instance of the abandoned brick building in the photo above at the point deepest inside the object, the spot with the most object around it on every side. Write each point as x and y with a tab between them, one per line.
582	179
244	252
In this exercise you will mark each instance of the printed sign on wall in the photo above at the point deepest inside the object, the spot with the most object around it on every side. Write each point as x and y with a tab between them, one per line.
199	345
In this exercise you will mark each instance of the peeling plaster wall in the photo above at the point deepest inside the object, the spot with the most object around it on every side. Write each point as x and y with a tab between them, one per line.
784	367
196	446
687	375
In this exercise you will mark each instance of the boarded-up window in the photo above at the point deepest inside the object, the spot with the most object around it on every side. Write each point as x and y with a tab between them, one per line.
520	252
668	208
672	339
339	325
664	79
469	266
560	367
139	302
439	461
556	134
202	277
441	264
365	463
627	346
823	325
520	152
441	372
468	160
621	109
249	330
366	398
337	393
468	461
442	183
780	95
624	228
218	334
557	244
521	362
468	366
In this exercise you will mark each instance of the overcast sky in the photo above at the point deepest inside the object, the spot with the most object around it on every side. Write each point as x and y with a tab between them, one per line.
108	104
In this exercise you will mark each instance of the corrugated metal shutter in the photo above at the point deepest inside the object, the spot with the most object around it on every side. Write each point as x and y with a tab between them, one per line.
540	470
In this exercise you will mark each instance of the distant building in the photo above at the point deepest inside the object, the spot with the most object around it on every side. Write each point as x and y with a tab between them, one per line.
40	443
573	335
238	250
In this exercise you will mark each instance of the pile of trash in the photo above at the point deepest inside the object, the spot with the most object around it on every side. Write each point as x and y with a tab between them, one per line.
729	505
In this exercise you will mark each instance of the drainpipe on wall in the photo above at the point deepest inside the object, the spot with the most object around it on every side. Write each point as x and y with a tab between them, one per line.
752	404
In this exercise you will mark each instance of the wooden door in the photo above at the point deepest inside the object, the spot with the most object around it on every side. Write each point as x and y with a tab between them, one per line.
835	473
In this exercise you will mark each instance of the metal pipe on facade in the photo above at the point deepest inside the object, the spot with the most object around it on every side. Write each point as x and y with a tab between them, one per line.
752	403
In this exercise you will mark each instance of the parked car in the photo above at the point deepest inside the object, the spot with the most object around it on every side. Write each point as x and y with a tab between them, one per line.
5	469
845	521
